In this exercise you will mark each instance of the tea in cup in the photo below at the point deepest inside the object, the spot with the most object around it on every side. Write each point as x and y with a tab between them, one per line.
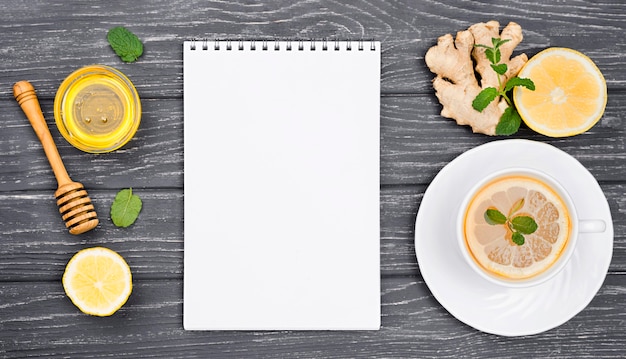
519	227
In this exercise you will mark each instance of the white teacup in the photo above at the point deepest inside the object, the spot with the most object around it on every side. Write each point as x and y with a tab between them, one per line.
576	226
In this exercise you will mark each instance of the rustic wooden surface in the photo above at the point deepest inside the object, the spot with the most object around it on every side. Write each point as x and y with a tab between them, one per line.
43	41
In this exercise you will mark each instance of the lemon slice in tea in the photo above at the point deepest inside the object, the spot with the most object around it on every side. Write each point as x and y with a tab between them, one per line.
492	245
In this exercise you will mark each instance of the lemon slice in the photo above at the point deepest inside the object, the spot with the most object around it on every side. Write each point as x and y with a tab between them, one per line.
570	93
98	281
492	245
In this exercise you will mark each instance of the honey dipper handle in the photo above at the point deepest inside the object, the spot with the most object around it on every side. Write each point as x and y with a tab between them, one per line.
25	95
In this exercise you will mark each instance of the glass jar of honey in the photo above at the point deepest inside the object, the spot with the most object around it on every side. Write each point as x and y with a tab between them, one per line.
97	109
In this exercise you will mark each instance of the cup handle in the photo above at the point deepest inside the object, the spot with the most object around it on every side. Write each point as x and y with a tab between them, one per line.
591	226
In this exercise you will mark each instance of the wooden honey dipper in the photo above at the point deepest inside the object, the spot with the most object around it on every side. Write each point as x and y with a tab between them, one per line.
74	204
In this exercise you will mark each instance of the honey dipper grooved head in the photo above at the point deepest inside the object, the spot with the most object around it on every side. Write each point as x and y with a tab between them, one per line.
76	208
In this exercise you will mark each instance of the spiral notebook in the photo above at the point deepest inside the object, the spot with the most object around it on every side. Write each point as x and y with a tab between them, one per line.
281	155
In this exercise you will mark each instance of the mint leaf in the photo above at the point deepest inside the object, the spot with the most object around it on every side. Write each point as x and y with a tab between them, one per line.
498	55
519	81
484	98
125	44
491	55
500	69
509	122
493	217
497	42
518	238
524	224
125	208
518	226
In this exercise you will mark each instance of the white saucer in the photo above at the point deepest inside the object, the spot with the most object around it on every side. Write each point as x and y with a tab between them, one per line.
486	306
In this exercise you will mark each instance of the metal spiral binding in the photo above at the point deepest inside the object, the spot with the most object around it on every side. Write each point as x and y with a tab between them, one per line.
227	44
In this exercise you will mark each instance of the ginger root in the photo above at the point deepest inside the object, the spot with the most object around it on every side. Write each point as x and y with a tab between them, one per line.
456	84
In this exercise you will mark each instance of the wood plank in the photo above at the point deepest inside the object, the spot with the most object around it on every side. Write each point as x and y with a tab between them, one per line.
57	40
43	41
416	142
38	319
36	246
153	158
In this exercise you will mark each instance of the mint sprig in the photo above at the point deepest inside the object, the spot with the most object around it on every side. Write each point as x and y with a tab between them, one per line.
518	225
510	120
125	44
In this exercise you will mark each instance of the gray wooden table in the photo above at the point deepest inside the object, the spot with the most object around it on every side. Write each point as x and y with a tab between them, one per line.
43	41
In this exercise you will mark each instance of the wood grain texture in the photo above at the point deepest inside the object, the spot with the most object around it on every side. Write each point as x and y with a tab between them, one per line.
153	158
39	320
416	142
60	38
44	41
154	246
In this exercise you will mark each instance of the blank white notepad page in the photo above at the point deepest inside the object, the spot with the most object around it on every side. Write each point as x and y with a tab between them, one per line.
281	154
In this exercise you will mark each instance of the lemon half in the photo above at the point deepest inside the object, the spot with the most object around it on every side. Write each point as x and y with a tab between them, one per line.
570	93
